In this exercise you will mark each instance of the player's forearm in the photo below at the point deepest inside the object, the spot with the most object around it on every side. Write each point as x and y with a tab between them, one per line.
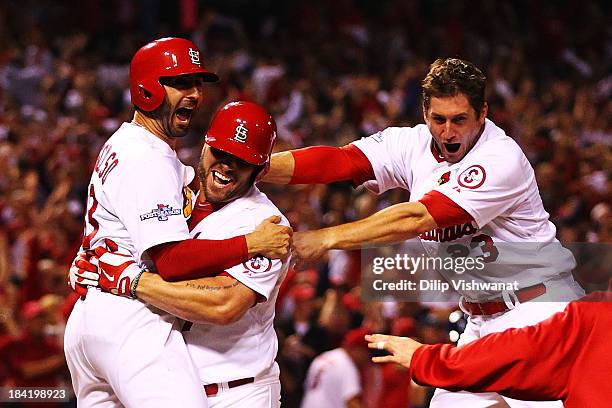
206	300
510	363
281	168
320	165
197	258
393	224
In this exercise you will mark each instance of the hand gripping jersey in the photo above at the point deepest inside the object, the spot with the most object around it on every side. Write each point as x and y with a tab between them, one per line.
496	185
248	347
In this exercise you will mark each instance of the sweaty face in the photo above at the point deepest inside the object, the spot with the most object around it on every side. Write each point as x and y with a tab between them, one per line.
224	177
454	124
183	96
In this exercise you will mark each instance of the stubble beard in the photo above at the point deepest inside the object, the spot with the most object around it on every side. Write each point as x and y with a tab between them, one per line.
163	115
238	191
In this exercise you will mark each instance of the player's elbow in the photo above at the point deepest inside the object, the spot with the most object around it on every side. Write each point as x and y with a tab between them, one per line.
422	224
223	315
235	306
410	226
407	220
417	219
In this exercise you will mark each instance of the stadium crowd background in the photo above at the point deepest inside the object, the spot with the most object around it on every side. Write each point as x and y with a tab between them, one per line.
330	72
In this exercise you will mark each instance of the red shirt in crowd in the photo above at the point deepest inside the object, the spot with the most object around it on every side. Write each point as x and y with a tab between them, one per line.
26	349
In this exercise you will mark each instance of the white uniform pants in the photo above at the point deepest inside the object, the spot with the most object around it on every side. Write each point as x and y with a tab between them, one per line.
524	314
254	395
137	362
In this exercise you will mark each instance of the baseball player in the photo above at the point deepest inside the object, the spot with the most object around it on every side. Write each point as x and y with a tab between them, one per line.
119	351
565	357
333	379
472	194
232	343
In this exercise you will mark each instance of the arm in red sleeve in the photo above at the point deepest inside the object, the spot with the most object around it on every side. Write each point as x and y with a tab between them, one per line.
197	258
444	210
326	164
532	363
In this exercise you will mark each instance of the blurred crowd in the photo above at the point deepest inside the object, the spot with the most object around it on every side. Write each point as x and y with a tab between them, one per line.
330	72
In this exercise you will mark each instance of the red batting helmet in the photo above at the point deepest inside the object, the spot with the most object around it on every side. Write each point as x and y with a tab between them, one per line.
245	130
166	57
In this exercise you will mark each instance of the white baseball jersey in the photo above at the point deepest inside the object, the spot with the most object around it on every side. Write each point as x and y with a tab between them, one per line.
136	195
332	380
495	184
136	198
248	347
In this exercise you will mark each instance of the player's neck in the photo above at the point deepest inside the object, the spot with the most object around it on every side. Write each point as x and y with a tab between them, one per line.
476	139
154	127
203	201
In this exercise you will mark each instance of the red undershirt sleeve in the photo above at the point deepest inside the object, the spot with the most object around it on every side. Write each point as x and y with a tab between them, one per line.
444	210
326	164
530	363
197	258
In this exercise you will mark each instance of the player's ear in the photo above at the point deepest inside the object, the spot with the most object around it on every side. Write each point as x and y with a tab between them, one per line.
424	109
483	112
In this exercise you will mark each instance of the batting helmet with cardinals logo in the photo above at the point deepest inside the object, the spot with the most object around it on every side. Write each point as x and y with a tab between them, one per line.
166	57
245	130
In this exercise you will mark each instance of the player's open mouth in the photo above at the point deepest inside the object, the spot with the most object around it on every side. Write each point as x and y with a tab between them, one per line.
452	147
183	114
221	180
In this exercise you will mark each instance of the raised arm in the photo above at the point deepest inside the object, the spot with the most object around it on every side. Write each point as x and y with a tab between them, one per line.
281	168
320	165
392	224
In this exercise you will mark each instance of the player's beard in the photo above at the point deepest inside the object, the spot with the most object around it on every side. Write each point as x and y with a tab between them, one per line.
214	197
164	115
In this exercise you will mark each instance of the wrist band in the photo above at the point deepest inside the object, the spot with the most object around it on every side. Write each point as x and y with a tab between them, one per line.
135	284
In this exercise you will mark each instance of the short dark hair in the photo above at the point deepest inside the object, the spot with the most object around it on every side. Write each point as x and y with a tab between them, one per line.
452	76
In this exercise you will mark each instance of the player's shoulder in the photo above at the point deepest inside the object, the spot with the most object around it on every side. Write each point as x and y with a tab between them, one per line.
256	207
262	207
134	142
416	132
495	144
397	136
494	136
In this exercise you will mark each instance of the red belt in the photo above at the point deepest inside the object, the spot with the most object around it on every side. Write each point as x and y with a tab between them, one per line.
213	389
498	305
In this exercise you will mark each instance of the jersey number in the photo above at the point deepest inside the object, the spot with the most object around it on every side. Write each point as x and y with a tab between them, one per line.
486	244
90	219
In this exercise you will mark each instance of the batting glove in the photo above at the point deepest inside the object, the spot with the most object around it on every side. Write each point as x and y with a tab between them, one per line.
118	272
82	274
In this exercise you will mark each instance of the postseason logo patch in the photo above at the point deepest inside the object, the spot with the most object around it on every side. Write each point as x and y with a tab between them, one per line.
162	212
